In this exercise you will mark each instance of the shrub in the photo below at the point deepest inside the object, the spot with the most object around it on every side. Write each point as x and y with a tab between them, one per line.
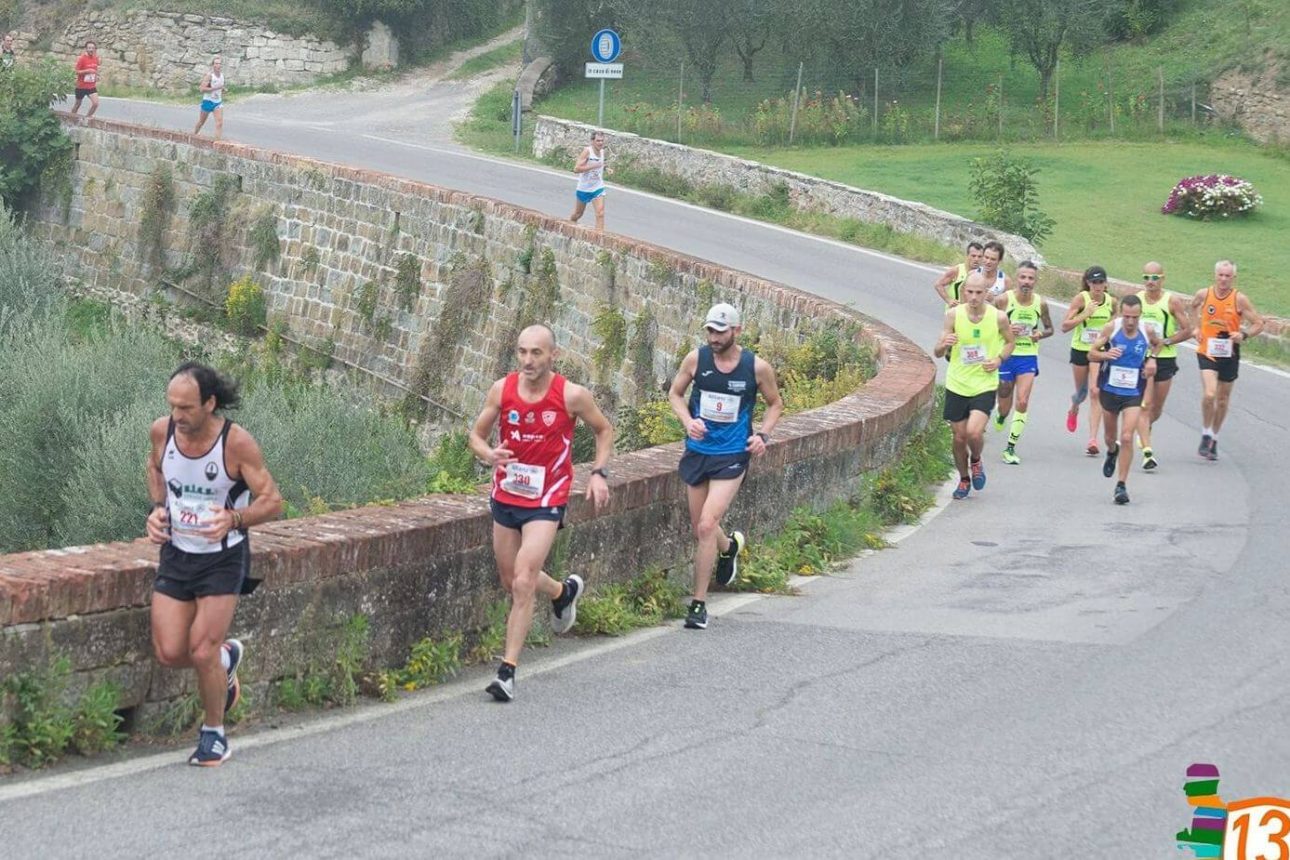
32	141
29	282
1213	196
245	306
1007	195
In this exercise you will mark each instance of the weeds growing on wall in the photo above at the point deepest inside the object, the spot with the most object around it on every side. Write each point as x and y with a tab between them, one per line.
465	297
332	676
158	208
45	724
245	307
208	216
263	237
647	599
641	353
610	327
453	467
407	280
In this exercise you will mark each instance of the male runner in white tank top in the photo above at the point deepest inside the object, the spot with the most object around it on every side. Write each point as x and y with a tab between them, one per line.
212	87
591	170
208	484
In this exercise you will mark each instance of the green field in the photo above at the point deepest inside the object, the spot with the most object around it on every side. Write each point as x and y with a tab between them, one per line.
1106	198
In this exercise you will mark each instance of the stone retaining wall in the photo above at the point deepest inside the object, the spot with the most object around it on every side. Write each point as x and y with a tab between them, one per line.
705	167
422	567
1260	105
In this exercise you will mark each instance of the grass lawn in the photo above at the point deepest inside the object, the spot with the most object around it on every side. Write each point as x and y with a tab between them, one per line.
1106	199
505	55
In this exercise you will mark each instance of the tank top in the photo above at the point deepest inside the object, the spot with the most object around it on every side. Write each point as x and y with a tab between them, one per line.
1123	376
216	93
87	72
1086	333
540	434
955	285
1219	320
594	179
978	342
1027	315
197	487
725	403
1000	283
1158	320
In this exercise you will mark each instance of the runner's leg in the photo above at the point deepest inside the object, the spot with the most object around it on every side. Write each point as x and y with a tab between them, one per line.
707	530
1149	394
536	540
976	422
94	105
205	640
171	622
1128	420
219	123
599	204
1222	399
578	209
960	431
1209	398
201	121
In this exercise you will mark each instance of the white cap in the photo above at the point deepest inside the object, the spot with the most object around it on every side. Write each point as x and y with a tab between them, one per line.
721	317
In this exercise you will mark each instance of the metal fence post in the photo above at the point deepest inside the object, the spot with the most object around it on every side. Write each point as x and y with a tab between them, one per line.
936	128
1160	113
680	102
1057	95
875	102
797	99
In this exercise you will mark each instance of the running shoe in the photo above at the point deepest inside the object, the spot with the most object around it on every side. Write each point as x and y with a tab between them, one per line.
728	561
502	688
1148	459
1112	454
962	490
1092	450
697	617
1121	494
1072	421
999	418
212	750
564	609
235	652
1212	453
1203	450
978	475
1010	456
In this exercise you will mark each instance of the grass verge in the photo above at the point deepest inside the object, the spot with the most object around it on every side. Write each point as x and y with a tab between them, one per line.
503	55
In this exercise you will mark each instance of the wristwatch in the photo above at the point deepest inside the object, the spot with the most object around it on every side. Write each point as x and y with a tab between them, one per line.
602	472
765	437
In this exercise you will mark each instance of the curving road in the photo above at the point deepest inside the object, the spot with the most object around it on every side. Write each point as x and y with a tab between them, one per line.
1027	675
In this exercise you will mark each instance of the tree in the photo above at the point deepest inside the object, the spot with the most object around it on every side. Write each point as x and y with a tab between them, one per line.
855	37
751	26
564	28
701	28
1039	29
31	137
1007	195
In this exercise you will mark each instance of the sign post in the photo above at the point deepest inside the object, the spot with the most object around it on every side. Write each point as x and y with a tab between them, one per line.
606	45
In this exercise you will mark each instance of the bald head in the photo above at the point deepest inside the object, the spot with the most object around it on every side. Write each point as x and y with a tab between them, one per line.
535	351
538	335
974	288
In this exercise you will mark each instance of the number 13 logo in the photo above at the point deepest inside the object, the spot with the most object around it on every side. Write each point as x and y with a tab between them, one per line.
1258	828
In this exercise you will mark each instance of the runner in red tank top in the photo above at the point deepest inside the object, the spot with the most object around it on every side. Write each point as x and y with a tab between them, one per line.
87	78
535	410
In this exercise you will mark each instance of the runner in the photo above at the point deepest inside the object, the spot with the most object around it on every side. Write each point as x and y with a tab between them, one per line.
212	88
1220	310
978	339
535	410
87	79
951	280
1164	316
591	170
1088	313
991	259
1028	314
1126	355
8	57
209	485
719	443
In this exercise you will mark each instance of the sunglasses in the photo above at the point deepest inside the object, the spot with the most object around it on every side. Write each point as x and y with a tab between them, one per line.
1152	277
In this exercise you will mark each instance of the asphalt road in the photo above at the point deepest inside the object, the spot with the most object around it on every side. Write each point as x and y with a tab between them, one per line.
1026	675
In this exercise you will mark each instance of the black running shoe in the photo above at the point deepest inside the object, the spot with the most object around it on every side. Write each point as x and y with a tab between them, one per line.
502	688
235	651
1203	450
697	617
1121	494
212	750
728	561
564	609
1112	454
1212	453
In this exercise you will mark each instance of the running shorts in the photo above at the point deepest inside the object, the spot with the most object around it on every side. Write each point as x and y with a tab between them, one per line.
189	575
697	469
516	517
958	406
1113	403
1228	368
1018	365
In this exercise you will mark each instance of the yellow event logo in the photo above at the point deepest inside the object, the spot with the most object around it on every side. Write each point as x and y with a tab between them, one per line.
1257	828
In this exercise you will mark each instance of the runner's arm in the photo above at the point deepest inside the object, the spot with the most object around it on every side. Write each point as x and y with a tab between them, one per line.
947	338
1248	315
1009	339
205	85
582	166
1046	319
676	395
158	521
584	407
1181	313
248	462
1073	314
483	428
1099	351
947	277
768	387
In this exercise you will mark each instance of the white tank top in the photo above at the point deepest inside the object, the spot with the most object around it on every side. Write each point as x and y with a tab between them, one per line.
216	93
594	179
1000	285
197	487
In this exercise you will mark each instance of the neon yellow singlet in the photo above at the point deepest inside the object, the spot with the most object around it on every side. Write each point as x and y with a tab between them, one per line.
1158	320
1027	315
1093	325
955	285
977	342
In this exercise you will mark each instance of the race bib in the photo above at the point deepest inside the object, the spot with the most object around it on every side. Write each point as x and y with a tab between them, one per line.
721	408
1123	377
972	354
1090	335
191	515
91	78
524	480
1219	347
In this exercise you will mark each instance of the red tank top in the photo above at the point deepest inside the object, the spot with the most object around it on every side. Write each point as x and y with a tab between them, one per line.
541	436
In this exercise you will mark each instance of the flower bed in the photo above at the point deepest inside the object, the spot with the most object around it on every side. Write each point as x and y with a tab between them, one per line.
1212	196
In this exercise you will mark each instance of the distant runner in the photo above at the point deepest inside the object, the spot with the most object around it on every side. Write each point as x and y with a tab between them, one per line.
724	380
1088	313
591	170
1028	316
951	280
535	410
87	78
1164	316
991	266
1125	353
212	87
8	57
1220	312
209	485
978	339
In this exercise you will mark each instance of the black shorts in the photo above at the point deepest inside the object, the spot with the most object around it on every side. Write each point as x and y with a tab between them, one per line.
1166	369
189	575
958	406
1079	357
697	469
1228	368
515	517
1113	403
82	93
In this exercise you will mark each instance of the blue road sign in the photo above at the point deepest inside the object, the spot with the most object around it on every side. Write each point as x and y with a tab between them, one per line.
606	45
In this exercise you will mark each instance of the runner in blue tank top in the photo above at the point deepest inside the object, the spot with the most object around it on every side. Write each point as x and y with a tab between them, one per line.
717	417
1126	352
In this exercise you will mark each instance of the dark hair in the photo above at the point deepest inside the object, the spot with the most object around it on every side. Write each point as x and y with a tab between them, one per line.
993	246
975	244
1099	271
1028	264
211	383
1130	301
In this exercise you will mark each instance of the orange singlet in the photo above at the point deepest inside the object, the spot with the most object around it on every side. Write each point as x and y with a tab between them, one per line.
1219	318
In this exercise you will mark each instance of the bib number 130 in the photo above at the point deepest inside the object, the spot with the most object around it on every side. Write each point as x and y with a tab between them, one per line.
1258	829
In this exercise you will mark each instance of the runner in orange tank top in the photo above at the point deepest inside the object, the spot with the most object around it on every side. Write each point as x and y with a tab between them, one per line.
535	410
1220	312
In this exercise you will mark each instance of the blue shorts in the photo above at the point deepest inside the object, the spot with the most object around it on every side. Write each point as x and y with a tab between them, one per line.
516	517
209	106
588	196
697	469
1017	365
